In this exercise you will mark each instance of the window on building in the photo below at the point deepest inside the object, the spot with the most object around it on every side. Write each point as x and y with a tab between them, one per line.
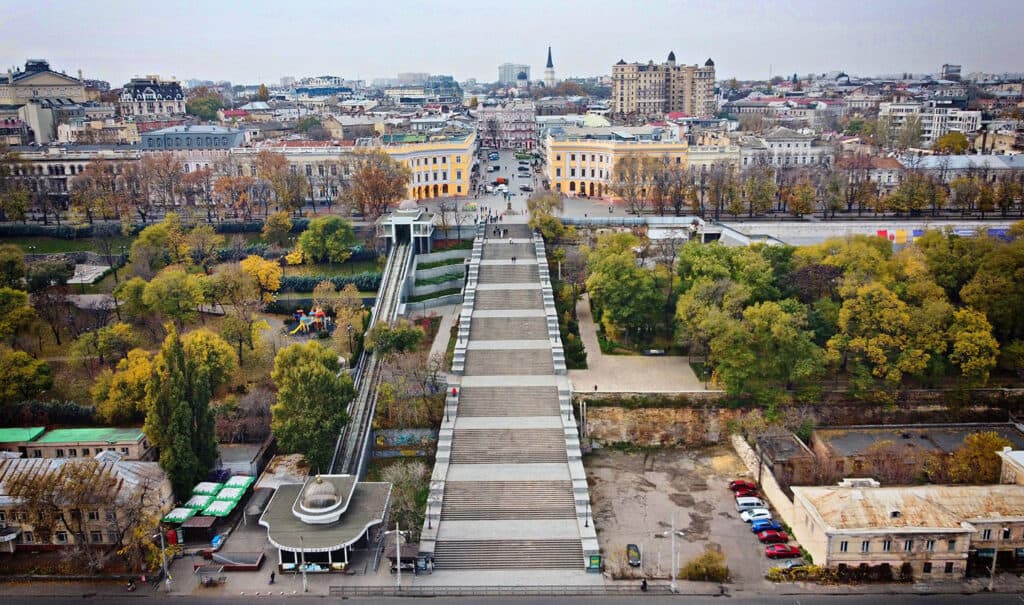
72	453
572	157
444	159
949	567
844	546
93	515
1006	533
458	175
112	537
309	170
434	160
124	451
28	537
986	534
334	170
110	515
558	172
929	545
865	546
558	157
3	515
926	568
62	537
908	545
85	451
951	545
887	546
95	536
186	169
60	452
572	172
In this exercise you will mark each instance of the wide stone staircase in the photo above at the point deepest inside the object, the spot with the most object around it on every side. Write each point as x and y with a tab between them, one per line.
509	491
508	554
508	401
493	500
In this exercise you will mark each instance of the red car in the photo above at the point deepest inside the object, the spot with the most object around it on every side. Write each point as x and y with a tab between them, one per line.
742	484
746	492
782	551
770	536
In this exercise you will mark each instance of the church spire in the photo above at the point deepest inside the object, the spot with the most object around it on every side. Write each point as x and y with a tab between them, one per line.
550	64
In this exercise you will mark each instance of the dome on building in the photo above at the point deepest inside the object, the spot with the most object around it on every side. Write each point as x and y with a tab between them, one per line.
709	63
621	62
320	494
408	205
522	76
671	56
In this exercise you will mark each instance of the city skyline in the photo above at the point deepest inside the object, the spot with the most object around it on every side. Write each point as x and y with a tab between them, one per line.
220	42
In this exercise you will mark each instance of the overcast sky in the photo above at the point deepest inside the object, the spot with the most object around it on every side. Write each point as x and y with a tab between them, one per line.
261	40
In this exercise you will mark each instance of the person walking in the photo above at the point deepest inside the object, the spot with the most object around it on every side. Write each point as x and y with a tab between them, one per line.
271	577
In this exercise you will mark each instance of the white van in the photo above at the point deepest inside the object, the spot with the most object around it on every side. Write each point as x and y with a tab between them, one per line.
743	504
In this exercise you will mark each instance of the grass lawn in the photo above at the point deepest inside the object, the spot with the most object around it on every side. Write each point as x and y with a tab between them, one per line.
49	245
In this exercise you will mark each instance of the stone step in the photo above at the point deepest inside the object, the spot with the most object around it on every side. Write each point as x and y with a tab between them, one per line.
502	500
499	300
508	554
497	362
509	401
500	249
508	446
509	328
508	274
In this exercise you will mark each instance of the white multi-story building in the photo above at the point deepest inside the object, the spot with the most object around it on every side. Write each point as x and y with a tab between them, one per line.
508	73
150	97
784	148
936	120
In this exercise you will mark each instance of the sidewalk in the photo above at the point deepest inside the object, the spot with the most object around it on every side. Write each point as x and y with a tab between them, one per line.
627	373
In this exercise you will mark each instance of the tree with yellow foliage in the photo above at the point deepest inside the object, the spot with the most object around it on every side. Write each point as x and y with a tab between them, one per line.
267	274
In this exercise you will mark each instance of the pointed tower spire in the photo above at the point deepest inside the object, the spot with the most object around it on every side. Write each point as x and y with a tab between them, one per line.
550	65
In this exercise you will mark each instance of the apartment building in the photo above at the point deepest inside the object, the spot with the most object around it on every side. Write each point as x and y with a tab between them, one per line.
942	531
150	98
935	119
655	89
508	73
509	126
784	148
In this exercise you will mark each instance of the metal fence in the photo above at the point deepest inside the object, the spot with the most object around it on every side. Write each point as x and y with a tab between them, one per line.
632	588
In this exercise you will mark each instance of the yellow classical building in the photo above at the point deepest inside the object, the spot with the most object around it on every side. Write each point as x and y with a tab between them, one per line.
581	161
441	165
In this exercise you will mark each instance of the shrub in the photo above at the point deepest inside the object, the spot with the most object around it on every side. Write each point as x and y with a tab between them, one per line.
440	263
706	567
440	279
365	282
433	295
34	413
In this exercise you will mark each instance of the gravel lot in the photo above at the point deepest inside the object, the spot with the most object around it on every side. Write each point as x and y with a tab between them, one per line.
635	496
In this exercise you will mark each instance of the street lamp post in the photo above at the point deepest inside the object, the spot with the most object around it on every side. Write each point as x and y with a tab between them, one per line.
672	572
302	553
163	560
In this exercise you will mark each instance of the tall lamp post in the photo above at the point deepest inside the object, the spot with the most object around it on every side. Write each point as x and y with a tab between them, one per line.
163	560
672	583
992	572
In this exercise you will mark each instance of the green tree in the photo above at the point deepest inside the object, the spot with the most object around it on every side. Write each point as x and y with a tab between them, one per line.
625	294
976	460
175	294
308	123
311	401
799	197
12	266
203	243
974	350
264	273
953	142
997	290
21	375
45	274
276	228
204	103
768	352
129	295
327	239
385	340
120	395
115	341
15	313
179	420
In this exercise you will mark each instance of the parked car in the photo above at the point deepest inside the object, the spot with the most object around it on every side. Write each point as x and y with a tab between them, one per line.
746	493
525	188
741	483
755	514
524	175
493	156
771	536
633	555
781	551
792	564
764	524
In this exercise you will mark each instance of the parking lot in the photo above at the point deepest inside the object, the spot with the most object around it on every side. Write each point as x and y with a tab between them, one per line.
636	495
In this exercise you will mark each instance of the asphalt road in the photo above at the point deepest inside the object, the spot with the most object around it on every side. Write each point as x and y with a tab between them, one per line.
868	599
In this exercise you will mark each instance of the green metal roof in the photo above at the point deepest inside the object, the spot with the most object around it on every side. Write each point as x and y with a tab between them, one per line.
15	434
98	434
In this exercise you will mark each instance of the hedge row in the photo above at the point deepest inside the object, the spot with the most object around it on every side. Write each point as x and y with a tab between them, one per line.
33	412
440	279
288	306
365	282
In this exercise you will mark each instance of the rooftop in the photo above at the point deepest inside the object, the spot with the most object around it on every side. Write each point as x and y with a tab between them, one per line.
16	434
100	434
856	440
920	508
779	448
366	508
203	129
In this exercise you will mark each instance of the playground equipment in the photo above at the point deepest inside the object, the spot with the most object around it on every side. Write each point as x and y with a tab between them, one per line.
317	319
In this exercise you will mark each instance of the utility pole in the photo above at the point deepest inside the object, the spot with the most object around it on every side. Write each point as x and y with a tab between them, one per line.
675	567
398	556
305	581
163	561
